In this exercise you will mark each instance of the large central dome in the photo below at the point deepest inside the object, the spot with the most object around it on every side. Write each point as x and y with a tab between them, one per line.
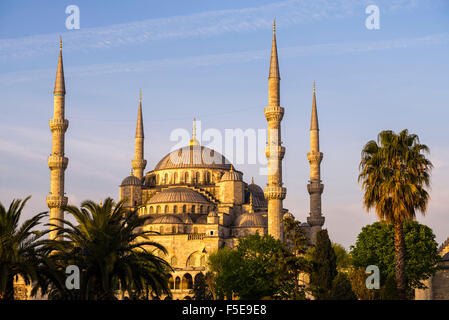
193	157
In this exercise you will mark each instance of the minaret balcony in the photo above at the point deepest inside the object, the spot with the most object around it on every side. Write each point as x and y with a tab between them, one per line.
315	157
57	162
56	201
314	221
59	125
275	152
315	187
275	192
275	113
138	163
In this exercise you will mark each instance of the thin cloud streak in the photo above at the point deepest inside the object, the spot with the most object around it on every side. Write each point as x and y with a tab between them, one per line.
206	24
226	58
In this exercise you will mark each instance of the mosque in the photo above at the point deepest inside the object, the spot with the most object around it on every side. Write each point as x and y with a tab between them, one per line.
194	199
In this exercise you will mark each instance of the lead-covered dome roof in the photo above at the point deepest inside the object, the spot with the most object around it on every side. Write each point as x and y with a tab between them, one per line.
250	220
167	219
258	196
193	157
131	181
178	194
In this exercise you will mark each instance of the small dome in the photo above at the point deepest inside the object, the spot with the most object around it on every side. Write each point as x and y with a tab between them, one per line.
167	219
131	181
288	215
250	220
258	196
178	194
231	175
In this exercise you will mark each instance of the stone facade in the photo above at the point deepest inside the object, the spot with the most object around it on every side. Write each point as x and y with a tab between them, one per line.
438	285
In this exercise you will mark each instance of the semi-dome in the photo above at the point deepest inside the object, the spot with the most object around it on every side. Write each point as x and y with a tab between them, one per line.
258	196
193	157
250	220
231	175
167	219
131	181
178	194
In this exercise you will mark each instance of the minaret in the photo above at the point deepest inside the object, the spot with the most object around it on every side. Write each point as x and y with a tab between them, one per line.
57	162
315	187
274	192
139	163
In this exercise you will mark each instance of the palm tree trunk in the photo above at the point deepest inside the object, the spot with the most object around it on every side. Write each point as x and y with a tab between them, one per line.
399	246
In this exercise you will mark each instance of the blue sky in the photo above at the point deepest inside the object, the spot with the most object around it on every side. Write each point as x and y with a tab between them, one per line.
209	60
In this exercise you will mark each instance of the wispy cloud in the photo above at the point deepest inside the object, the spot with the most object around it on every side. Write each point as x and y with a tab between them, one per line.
225	58
210	23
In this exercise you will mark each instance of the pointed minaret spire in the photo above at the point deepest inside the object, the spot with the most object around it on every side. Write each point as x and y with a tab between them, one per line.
57	162
274	64
315	187
274	192
139	163
59	82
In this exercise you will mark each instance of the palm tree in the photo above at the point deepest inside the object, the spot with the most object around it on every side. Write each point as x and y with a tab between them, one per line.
394	175
18	247
111	251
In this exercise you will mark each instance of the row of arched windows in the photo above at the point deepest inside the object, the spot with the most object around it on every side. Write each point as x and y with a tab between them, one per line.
172	229
186	177
184	283
177	209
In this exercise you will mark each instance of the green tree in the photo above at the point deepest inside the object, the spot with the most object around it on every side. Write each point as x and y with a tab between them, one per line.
325	266
343	257
201	289
394	175
375	246
291	264
112	252
18	247
224	265
357	277
341	288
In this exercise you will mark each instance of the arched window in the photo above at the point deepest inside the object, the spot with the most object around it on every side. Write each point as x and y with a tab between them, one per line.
187	282
197	177
151	209
161	229
186	177
175	209
171	283
166	178
193	209
165	209
173	229
207	177
177	283
195	230
184	209
175	178
201	208
158	209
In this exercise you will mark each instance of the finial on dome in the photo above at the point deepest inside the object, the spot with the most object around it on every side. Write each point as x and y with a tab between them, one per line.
274	25
232	168
313	86
132	172
60	42
140	95
101	203
252	180
194	142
